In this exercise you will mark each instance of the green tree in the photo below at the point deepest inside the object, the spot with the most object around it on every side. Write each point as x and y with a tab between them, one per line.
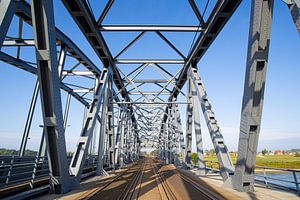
194	158
264	152
212	152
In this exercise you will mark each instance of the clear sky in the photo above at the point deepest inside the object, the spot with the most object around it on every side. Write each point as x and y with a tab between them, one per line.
222	69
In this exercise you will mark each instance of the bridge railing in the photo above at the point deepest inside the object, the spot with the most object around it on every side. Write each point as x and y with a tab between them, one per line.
268	176
15	169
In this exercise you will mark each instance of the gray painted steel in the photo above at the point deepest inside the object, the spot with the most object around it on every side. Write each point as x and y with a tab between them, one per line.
256	67
224	160
47	70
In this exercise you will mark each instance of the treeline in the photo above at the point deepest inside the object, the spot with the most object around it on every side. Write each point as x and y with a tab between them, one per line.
13	152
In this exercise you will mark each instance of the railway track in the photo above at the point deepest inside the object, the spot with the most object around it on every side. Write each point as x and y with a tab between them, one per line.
146	180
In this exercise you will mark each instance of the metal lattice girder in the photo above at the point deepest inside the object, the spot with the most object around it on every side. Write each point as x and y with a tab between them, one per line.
225	163
23	11
29	68
189	124
47	70
180	132
89	124
221	13
294	6
102	134
110	131
122	137
257	59
82	15
197	126
7	11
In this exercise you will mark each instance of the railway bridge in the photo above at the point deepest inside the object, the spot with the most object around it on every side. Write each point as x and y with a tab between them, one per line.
130	102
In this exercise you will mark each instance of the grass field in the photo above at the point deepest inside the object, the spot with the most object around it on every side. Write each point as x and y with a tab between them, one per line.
278	161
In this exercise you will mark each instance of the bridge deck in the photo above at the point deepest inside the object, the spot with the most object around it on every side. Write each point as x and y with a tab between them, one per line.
150	179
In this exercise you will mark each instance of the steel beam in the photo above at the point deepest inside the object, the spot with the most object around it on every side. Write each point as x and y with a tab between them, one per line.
179	129
29	120
47	70
122	138
100	170
160	28
149	61
110	131
219	16
256	67
189	124
7	11
105	11
84	18
196	11
80	154
198	134
18	42
224	160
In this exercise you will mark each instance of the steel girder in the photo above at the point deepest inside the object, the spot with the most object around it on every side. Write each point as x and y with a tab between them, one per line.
150	28
216	21
189	123
225	163
47	70
78	158
110	131
256	67
197	127
7	11
180	132
100	170
82	15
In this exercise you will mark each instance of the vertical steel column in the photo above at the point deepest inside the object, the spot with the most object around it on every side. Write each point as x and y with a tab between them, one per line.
45	43
189	121
101	144
111	129
67	108
61	63
176	134
7	11
257	59
224	160
29	119
118	137
122	139
170	136
197	126
180	132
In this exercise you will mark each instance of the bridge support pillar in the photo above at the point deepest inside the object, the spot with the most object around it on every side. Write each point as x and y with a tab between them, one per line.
48	74
256	67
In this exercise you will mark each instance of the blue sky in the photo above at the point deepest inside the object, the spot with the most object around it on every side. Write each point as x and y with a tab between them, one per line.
222	69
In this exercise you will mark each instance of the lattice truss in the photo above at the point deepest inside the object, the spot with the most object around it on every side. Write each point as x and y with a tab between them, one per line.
136	100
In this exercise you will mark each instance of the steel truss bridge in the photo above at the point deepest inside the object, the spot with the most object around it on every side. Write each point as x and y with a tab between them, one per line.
129	114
